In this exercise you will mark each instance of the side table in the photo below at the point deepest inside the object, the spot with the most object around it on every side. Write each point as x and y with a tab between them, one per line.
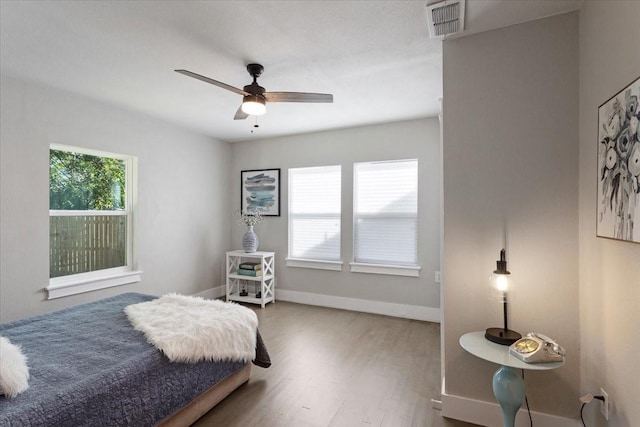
508	387
265	282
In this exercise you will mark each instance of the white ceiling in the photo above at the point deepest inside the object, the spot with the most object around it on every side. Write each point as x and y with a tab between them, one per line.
375	57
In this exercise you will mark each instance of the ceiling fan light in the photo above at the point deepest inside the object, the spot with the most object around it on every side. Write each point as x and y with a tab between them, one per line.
254	105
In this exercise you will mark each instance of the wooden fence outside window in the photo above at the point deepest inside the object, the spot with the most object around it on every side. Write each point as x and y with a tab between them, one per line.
80	244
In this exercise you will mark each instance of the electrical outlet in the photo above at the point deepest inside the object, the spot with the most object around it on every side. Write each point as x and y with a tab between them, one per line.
438	277
604	405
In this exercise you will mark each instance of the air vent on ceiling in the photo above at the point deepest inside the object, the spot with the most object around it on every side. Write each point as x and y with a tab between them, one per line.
445	17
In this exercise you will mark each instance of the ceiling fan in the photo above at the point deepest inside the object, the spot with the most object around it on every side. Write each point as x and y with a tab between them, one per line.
254	101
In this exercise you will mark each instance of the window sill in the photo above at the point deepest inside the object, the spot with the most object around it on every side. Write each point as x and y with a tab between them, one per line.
316	264
79	283
394	270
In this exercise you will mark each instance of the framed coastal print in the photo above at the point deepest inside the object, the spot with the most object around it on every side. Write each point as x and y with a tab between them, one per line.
619	166
260	191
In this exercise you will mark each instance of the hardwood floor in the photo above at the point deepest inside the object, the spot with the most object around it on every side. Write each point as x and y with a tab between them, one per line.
336	368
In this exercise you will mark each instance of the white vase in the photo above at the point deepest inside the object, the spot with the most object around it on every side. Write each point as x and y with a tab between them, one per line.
250	241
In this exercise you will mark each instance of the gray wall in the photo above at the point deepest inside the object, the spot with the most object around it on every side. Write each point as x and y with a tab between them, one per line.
411	139
511	175
609	270
183	187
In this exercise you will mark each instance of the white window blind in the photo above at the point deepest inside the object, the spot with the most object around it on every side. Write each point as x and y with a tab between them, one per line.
314	213
386	213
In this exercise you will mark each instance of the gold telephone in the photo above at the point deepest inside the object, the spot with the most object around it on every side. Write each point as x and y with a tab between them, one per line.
537	348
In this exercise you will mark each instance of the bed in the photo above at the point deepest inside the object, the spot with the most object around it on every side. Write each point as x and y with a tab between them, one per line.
89	367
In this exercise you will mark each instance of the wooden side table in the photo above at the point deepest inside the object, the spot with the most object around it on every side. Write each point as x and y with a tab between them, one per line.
508	386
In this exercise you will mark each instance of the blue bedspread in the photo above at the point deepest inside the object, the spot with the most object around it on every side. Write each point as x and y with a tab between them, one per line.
89	367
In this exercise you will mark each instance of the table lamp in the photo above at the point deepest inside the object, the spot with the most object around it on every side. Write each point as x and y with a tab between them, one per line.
500	282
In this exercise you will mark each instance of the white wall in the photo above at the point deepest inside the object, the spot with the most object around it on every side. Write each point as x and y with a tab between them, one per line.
411	139
609	270
183	187
511	163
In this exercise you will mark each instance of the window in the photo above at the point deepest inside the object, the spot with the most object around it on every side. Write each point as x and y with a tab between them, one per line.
386	217
91	207
314	217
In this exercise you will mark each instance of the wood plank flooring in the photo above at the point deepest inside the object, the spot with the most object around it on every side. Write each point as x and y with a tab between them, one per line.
336	368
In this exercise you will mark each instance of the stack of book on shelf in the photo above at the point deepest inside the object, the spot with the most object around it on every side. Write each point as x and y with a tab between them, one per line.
253	269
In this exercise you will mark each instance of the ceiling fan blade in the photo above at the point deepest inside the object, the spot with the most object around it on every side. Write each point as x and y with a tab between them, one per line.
297	97
213	82
240	115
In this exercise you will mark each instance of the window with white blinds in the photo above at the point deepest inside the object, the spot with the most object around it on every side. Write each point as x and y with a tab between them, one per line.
314	213
386	213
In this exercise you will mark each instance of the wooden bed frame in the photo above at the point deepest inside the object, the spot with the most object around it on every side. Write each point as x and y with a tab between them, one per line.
199	406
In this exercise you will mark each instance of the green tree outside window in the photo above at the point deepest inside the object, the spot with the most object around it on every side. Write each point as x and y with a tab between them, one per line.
85	182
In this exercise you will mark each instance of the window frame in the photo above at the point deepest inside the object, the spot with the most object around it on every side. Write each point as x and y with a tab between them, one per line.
320	264
72	284
384	268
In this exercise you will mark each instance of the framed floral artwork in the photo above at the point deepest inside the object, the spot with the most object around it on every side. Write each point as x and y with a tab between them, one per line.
260	191
619	166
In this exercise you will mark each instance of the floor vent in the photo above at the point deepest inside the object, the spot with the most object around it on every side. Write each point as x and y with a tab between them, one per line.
445	18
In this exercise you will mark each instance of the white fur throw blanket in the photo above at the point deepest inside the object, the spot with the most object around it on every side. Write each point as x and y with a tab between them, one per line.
14	372
192	329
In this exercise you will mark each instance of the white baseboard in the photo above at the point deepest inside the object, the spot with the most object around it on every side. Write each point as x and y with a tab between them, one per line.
490	414
415	312
212	293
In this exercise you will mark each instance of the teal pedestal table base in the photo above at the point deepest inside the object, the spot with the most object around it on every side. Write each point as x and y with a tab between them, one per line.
508	388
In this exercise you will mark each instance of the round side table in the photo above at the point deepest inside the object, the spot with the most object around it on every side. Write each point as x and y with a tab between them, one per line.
508	386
